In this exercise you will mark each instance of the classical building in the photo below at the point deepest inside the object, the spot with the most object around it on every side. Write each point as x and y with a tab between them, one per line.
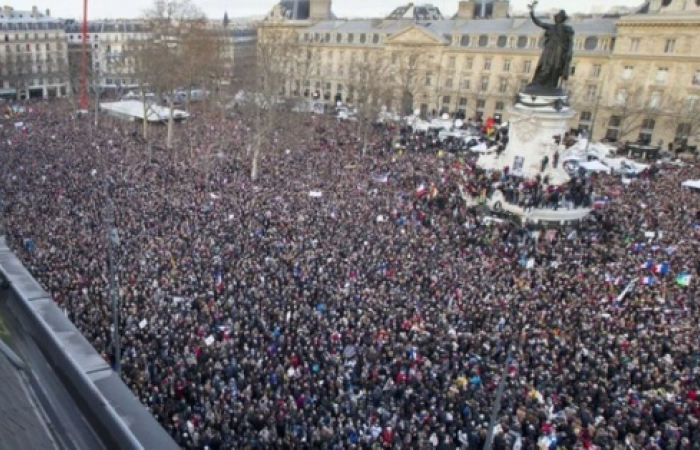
107	40
33	59
633	76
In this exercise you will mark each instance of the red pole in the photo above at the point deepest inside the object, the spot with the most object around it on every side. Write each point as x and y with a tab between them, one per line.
83	80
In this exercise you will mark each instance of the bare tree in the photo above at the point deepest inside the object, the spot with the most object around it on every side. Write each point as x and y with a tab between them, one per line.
411	74
684	121
370	88
261	106
631	109
306	64
174	26
20	71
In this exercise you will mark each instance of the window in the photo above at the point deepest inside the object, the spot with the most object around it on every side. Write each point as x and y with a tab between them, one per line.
351	38
466	84
446	100
483	40
363	38
428	79
452	62
621	96
572	70
522	42
338	38
591	43
487	64
462	103
503	85
670	46
691	103
500	106
464	40
595	70
586	116
648	124
523	84
375	39
449	82
590	93
634	45
317	37
612	134
661	74
480	104
615	121
484	84
506	65
627	72
655	100
502	41
696	78
683	131
527	66
470	64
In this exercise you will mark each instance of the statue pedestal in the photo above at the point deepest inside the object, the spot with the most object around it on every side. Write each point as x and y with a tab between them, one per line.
534	120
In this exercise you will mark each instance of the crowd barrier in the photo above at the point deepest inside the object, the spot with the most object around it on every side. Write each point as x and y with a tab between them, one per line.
111	409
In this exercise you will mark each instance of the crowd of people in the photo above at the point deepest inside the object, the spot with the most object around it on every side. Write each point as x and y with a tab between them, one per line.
350	299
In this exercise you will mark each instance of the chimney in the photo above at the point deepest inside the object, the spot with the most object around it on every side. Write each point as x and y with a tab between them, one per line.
35	11
48	13
466	10
7	10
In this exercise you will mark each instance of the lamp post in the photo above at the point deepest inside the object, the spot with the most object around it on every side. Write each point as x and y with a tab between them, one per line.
112	240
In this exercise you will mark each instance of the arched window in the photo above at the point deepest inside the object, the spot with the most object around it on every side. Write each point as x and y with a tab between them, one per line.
590	43
502	41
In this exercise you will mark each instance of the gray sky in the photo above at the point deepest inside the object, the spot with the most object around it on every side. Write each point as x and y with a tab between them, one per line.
240	8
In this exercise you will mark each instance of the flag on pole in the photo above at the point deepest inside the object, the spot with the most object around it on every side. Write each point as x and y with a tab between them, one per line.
683	279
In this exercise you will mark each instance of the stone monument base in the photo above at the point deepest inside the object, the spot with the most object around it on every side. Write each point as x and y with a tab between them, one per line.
534	120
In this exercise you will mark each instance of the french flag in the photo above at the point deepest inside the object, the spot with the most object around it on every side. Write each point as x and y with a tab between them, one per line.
218	281
421	190
647	280
638	246
648	265
661	269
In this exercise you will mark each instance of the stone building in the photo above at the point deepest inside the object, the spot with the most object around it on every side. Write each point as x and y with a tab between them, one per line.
33	57
107	40
633	76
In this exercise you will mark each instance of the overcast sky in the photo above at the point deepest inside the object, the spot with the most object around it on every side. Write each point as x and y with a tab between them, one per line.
241	8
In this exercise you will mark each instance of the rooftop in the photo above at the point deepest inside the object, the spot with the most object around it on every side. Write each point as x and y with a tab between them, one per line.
8	14
513	26
416	12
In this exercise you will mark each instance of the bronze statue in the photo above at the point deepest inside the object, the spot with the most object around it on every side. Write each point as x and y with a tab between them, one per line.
555	62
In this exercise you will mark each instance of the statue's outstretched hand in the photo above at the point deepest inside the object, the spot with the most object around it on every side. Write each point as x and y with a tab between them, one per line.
532	5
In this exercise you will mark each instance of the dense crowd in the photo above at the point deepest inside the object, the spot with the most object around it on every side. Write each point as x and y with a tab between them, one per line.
349	298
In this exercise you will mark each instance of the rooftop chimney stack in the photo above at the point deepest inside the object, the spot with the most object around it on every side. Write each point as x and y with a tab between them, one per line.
48	13
7	10
35	11
466	10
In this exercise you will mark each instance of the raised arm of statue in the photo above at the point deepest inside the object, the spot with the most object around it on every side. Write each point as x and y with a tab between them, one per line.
537	21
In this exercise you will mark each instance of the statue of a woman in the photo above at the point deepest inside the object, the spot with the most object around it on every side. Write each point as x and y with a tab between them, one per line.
555	61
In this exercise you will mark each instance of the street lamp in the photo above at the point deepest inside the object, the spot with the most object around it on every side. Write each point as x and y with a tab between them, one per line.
112	241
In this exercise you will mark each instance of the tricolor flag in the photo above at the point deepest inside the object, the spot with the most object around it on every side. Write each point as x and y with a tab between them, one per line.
421	190
648	264
661	269
649	280
218	282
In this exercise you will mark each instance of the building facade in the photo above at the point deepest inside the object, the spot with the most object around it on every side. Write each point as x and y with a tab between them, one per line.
33	57
107	41
634	77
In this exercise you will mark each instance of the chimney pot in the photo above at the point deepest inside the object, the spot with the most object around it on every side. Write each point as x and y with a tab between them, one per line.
48	13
